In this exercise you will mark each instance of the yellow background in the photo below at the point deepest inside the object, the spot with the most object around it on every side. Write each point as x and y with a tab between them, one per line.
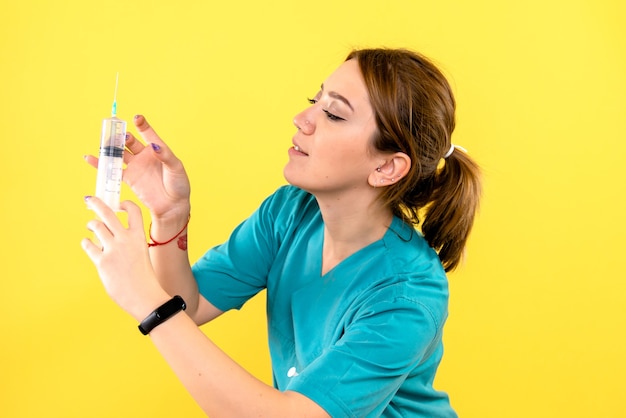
538	312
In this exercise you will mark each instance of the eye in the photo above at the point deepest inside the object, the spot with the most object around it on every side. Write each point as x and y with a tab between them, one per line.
331	116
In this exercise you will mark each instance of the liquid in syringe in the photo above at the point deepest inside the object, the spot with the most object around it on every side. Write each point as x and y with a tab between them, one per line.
111	158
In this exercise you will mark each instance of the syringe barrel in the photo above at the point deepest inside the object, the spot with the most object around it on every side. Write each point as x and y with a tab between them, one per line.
110	162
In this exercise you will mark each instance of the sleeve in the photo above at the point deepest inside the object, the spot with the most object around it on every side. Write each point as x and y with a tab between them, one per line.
231	273
384	343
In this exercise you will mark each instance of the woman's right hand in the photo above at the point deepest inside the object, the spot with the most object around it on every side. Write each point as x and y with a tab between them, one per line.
155	174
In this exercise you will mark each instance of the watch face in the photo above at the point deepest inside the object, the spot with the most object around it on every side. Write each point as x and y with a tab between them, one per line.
162	314
170	307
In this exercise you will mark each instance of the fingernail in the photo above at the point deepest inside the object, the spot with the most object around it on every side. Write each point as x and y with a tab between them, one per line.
137	117
87	198
155	147
127	136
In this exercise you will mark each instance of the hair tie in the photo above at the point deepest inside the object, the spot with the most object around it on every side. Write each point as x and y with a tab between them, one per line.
451	150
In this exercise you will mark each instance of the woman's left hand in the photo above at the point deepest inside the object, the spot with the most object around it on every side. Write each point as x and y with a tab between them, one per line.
122	260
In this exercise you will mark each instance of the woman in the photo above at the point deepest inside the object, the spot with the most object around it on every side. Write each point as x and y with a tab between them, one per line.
357	297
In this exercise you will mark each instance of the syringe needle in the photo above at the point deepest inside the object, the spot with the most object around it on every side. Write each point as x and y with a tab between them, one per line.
114	109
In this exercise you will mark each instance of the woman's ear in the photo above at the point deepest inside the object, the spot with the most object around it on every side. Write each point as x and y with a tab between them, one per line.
391	170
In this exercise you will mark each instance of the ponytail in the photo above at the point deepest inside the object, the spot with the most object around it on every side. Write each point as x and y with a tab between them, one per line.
449	216
415	114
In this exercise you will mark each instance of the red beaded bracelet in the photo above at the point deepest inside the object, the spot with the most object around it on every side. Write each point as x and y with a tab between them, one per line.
182	240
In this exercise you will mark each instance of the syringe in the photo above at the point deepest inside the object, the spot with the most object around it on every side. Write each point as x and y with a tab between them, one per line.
111	159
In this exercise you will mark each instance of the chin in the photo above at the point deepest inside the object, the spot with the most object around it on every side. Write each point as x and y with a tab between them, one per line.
290	175
293	179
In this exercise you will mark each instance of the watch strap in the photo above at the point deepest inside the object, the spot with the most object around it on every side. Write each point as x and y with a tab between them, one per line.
162	314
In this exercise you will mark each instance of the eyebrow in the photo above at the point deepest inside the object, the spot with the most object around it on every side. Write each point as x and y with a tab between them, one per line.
338	96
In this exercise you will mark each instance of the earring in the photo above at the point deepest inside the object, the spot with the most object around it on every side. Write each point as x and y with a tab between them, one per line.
378	169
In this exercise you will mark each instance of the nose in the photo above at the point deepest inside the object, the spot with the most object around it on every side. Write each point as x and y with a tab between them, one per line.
303	121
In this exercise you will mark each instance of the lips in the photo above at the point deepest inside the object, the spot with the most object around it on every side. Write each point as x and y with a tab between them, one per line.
297	148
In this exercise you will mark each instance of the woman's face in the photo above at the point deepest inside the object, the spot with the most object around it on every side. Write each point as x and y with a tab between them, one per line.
332	148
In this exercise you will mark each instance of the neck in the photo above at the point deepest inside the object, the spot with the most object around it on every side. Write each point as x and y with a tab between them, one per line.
351	222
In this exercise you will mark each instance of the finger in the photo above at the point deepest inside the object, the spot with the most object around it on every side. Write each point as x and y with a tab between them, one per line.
91	160
135	219
101	232
93	251
105	213
133	144
145	130
160	148
128	156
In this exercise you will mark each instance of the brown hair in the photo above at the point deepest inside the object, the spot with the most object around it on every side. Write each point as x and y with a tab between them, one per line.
414	107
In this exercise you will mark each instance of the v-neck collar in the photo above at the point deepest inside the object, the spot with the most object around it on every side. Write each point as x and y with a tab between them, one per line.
397	227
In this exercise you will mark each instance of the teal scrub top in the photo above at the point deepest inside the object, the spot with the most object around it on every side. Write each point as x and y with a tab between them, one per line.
363	340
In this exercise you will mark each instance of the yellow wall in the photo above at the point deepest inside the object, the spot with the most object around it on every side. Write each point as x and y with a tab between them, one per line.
538	312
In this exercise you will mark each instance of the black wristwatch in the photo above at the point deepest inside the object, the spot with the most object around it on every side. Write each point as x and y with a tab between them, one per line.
162	314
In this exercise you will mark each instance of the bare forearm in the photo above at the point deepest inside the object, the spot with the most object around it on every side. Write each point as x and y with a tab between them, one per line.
218	384
174	274
171	261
